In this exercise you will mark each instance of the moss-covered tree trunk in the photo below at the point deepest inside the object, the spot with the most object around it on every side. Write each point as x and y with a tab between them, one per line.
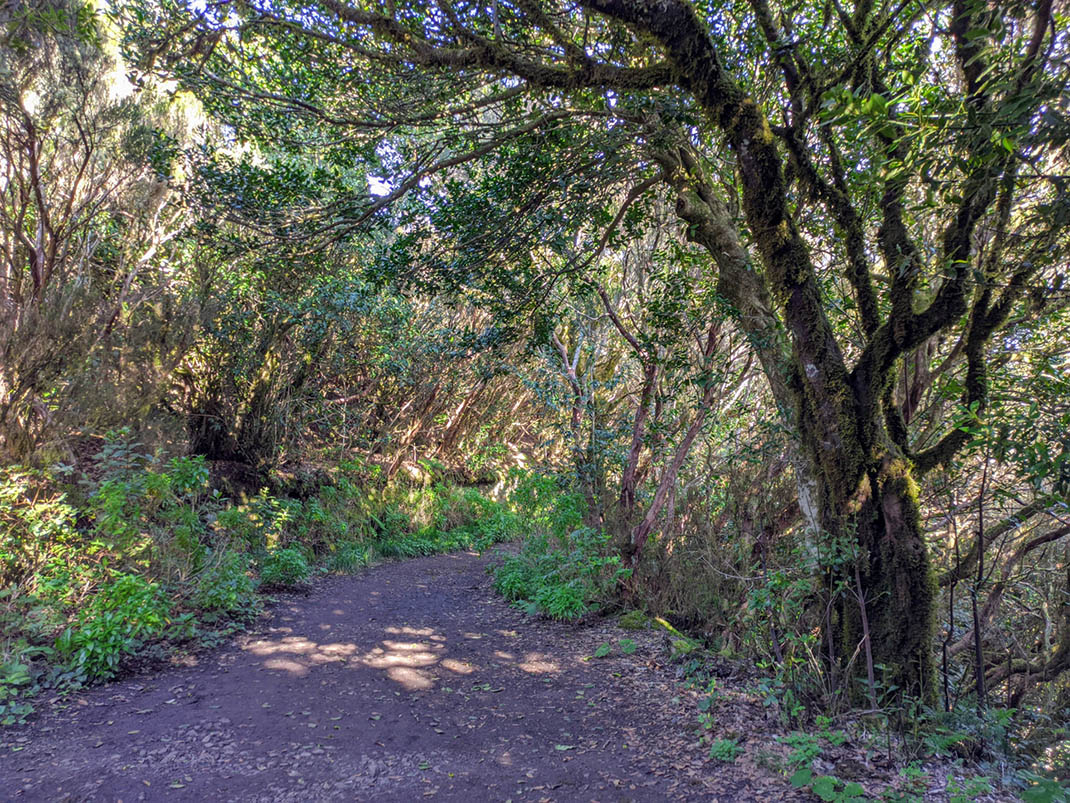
894	578
854	482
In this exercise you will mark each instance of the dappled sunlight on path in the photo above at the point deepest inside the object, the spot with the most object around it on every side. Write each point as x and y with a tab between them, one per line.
412	680
410	664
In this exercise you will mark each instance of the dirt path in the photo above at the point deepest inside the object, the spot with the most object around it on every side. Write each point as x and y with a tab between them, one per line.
410	681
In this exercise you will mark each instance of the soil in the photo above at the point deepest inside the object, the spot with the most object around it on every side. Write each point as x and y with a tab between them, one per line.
412	680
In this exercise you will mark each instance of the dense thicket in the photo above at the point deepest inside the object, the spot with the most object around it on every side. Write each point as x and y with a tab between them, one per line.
761	308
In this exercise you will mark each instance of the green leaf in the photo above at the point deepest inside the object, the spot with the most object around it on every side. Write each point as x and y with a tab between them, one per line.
825	788
603	650
801	778
877	104
627	646
1044	790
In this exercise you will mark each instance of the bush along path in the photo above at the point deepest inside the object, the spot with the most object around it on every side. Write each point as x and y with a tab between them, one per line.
412	680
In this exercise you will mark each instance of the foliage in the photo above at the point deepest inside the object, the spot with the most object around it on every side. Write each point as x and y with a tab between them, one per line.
284	567
560	576
727	750
562	568
829	788
225	586
349	557
96	300
32	522
1044	790
17	682
126	611
134	550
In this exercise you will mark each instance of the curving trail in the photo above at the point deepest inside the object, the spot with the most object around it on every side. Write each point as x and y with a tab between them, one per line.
410	681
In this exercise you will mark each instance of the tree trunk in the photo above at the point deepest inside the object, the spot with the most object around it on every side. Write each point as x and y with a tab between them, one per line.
457	418
642	531
896	579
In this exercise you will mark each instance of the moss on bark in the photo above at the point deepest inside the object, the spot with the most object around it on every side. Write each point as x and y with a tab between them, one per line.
897	582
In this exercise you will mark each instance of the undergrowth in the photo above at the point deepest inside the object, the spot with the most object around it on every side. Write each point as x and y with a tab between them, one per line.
563	568
136	555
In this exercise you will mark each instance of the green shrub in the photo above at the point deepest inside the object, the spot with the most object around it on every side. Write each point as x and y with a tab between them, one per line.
284	567
34	521
238	523
18	681
390	522
493	522
264	522
545	503
121	615
410	546
225	587
805	748
349	557
321	521
125	504
515	578
189	476
727	750
452	519
561	601
560	576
